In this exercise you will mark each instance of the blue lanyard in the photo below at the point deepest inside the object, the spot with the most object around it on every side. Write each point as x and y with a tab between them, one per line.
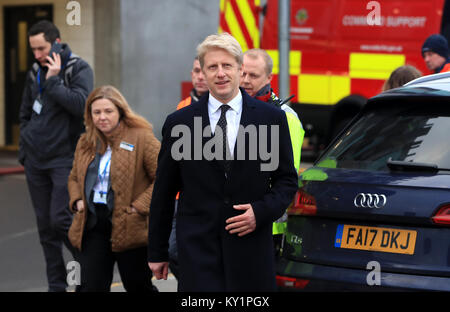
102	177
41	89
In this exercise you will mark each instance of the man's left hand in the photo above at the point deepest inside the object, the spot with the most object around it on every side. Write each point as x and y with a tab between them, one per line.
54	65
244	223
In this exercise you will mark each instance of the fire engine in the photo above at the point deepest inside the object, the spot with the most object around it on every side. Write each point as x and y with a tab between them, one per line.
341	51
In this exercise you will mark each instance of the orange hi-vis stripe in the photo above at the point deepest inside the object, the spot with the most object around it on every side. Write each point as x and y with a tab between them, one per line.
186	102
240	19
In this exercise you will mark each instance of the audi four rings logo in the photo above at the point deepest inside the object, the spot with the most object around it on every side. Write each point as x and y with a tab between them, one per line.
364	200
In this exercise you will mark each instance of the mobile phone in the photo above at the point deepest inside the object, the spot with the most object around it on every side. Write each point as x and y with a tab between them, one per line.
56	48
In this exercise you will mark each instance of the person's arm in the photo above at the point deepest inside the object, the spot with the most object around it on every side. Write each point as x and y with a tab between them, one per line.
27	102
162	206
25	112
73	97
151	151
73	185
283	181
273	204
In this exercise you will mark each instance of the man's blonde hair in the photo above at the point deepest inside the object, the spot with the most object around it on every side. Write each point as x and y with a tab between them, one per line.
220	41
255	53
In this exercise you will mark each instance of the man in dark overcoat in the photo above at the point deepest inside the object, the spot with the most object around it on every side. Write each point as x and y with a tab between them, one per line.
230	157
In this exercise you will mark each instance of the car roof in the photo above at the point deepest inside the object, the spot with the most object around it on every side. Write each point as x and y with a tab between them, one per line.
436	85
439	81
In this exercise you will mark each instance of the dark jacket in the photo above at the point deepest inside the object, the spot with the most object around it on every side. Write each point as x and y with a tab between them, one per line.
210	258
48	140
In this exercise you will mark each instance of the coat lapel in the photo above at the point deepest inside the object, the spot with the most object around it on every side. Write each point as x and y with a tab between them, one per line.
201	111
91	176
248	118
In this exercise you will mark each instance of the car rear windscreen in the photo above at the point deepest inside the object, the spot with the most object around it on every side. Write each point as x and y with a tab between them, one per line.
417	134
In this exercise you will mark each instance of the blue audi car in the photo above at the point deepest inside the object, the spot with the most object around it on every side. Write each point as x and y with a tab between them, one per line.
373	213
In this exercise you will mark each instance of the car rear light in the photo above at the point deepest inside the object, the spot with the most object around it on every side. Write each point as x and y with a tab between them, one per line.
304	204
291	282
442	217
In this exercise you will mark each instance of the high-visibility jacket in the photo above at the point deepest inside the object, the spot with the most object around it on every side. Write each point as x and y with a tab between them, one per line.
192	98
297	134
446	68
186	102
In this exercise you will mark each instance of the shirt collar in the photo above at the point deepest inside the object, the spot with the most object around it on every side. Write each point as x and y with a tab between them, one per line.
235	103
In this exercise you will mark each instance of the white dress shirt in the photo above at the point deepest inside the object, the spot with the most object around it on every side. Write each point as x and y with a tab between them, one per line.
233	116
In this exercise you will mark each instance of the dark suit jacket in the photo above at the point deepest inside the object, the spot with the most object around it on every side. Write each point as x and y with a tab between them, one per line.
210	258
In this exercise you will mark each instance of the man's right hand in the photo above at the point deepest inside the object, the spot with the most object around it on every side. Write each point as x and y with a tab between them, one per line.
160	269
54	65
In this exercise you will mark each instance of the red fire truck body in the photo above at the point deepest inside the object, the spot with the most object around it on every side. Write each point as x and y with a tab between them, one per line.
341	51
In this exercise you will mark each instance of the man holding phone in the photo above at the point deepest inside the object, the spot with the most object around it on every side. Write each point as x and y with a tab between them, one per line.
51	121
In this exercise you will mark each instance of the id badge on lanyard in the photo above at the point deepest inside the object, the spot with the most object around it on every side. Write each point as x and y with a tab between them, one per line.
37	105
100	197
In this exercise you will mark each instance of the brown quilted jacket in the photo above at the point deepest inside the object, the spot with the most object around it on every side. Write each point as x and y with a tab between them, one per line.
132	177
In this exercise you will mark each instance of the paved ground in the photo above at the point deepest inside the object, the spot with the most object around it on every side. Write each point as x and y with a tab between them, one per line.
9	163
22	267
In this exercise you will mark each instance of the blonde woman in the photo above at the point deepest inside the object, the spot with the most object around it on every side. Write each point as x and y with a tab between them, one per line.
110	189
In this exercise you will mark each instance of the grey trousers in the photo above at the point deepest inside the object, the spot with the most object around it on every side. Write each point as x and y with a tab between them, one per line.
50	199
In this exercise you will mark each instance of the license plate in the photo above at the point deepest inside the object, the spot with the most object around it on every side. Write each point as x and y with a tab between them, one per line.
375	239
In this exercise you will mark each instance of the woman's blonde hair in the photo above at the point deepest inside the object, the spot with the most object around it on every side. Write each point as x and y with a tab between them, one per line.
93	136
220	41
